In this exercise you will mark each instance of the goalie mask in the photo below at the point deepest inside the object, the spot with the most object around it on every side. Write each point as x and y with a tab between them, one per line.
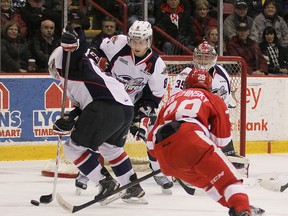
55	62
140	36
199	78
204	56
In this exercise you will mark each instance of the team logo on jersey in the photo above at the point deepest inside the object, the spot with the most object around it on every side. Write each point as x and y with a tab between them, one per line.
113	39
131	84
221	92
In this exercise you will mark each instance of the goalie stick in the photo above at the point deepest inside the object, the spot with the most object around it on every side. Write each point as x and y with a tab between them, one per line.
74	208
50	197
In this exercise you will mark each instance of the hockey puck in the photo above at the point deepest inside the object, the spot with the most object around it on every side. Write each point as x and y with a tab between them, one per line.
35	202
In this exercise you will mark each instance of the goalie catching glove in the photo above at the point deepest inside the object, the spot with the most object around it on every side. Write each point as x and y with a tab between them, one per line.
66	124
69	39
145	117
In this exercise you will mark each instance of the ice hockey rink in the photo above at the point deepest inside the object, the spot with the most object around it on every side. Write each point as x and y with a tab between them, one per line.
22	181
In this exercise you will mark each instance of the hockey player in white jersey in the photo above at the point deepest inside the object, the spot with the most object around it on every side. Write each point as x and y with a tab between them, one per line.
205	57
144	74
104	111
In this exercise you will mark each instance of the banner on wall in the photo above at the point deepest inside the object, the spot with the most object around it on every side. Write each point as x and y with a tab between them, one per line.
267	105
29	105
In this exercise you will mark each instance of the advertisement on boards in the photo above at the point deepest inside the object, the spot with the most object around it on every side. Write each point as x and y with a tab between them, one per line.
266	108
29	105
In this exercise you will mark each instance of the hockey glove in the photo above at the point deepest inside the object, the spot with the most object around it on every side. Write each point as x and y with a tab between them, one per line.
145	111
64	125
69	39
140	129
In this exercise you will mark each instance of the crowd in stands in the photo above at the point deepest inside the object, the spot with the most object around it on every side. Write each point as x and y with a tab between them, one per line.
254	29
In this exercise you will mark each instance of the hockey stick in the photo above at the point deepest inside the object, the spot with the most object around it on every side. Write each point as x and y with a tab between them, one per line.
189	190
50	197
74	208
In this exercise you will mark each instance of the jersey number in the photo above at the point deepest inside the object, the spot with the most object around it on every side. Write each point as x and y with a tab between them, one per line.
187	108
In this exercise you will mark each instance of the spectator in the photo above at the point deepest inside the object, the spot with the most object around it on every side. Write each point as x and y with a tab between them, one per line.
14	50
16	4
276	55
137	7
212	37
255	7
269	17
43	44
7	13
177	23
233	20
189	5
109	27
76	17
109	6
202	21
32	14
242	45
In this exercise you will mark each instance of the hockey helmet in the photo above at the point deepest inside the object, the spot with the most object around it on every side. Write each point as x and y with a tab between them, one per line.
204	56
199	78
140	30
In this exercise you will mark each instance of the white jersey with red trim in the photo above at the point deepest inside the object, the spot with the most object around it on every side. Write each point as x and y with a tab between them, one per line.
197	106
220	82
144	77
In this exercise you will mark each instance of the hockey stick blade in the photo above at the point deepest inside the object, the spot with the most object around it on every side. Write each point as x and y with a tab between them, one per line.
75	208
46	198
282	188
190	191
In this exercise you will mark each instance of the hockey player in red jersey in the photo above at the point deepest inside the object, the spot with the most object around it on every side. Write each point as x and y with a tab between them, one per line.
187	137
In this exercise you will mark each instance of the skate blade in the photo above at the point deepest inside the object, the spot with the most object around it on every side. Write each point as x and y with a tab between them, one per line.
78	191
256	211
135	200
112	199
167	191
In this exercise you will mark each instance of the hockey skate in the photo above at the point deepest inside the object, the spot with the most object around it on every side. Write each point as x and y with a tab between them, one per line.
165	184
255	211
232	212
106	186
80	183
134	194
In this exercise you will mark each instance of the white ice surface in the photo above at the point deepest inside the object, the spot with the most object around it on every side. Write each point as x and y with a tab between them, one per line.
21	181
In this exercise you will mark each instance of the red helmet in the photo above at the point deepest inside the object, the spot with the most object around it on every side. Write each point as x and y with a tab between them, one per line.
199	78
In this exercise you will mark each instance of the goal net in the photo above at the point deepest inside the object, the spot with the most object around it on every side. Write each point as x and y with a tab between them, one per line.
236	68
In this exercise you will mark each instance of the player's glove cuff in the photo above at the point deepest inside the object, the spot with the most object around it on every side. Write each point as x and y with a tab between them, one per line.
64	125
69	39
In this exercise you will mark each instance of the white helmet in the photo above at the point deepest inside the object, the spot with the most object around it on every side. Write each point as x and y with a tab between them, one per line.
204	56
140	30
55	62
